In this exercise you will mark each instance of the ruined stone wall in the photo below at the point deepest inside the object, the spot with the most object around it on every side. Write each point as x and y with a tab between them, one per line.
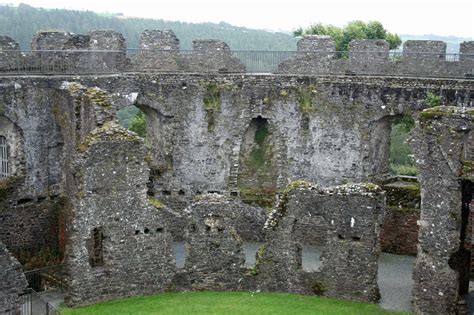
326	130
211	234
443	146
12	284
118	243
29	197
399	231
350	216
160	51
203	128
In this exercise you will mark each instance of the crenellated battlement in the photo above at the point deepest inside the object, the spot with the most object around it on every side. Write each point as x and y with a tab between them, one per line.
105	51
317	56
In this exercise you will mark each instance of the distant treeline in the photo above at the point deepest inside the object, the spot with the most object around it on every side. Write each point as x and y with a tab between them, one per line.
23	21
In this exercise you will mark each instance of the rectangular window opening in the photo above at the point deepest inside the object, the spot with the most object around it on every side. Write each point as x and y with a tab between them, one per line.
97	253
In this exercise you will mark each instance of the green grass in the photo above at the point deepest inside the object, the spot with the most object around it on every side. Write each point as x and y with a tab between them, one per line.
227	303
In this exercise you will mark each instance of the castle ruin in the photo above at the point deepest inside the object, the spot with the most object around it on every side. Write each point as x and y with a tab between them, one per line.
310	142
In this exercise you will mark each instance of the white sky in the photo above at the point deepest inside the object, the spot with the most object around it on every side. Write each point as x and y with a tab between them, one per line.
417	17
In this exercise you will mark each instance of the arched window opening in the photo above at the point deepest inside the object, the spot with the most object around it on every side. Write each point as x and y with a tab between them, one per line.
401	158
4	156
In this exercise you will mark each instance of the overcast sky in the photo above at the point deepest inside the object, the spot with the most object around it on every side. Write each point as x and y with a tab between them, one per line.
416	17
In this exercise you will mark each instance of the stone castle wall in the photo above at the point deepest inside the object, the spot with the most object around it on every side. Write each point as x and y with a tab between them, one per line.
372	57
13	282
104	51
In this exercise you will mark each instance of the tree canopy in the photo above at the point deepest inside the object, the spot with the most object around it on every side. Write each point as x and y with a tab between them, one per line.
353	30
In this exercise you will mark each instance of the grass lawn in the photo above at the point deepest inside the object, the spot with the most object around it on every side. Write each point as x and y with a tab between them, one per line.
227	303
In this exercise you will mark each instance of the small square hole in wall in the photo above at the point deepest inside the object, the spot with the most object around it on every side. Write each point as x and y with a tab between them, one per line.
137	232
234	193
181	192
160	230
146	230
166	193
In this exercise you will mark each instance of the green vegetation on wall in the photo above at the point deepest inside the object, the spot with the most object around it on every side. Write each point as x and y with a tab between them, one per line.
212	103
257	176
304	99
432	100
138	124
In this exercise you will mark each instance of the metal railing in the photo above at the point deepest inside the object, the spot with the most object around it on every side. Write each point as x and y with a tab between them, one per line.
70	62
33	304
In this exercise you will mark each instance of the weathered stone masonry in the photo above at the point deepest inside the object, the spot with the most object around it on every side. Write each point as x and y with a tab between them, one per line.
243	137
13	282
444	148
349	218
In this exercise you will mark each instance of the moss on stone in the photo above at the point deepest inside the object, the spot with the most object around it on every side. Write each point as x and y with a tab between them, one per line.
156	202
259	259
108	131
304	99
261	196
297	184
319	288
212	96
467	170
284	93
445	111
98	96
211	103
406	196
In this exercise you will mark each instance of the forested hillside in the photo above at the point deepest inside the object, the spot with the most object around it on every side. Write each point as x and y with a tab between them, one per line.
23	21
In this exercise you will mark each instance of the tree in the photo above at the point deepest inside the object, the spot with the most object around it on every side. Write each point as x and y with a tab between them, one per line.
353	30
138	124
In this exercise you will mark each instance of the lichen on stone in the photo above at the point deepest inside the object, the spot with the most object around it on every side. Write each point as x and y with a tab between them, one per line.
156	202
446	111
108	131
98	96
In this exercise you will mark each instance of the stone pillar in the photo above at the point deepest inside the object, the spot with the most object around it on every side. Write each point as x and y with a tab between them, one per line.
316	55
9	54
313	43
443	144
424	50
368	56
210	55
109	54
159	50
